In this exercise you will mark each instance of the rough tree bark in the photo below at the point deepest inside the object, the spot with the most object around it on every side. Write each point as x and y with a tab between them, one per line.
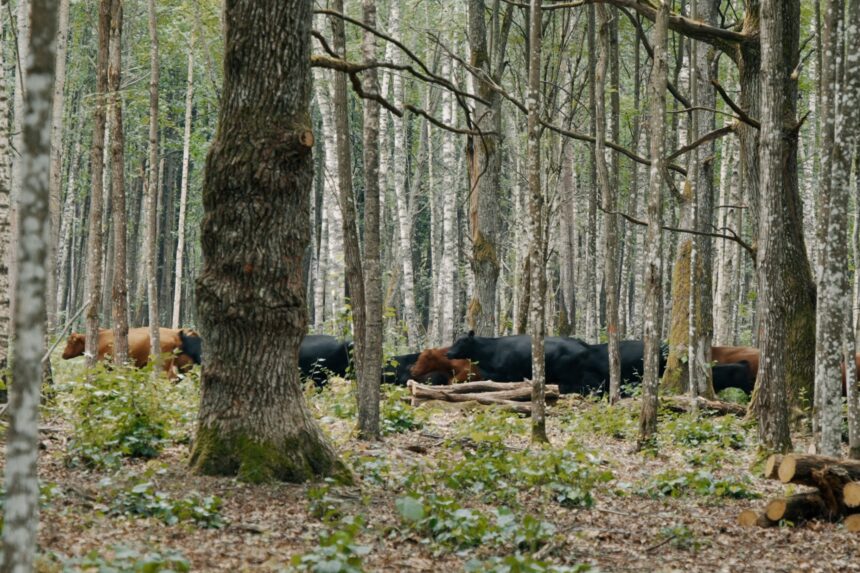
21	506
537	324
57	160
119	217
592	292
5	214
253	419
368	390
95	239
654	238
770	400
152	188
610	204
485	163
183	190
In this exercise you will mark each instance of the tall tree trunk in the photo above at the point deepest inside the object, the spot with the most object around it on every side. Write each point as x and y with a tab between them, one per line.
57	161
253	419
95	240
770	399
485	167
183	192
401	199
21	515
653	240
368	390
5	215
847	137
701	284
537	326
610	204
119	218
152	189
592	293
352	249
66	238
448	268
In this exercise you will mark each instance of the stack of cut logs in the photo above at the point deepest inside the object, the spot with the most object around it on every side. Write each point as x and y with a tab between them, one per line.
836	495
513	396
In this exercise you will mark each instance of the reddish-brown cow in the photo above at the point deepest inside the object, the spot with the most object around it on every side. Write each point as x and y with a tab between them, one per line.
138	347
730	354
433	362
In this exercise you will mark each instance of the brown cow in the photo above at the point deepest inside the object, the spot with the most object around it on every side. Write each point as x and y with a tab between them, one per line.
138	347
433	364
729	354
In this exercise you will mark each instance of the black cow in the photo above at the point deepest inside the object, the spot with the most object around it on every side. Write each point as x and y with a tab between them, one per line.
509	358
321	356
396	370
733	375
594	371
192	345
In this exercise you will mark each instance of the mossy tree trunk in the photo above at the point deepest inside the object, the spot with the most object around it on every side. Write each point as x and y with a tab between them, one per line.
253	420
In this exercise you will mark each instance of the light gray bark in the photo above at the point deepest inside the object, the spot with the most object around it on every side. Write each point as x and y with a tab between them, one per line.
21	506
5	212
153	187
183	190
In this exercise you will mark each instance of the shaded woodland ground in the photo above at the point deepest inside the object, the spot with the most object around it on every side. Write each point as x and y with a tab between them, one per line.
454	488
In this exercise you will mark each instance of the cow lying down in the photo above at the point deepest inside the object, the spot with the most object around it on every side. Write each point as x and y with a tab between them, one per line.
182	345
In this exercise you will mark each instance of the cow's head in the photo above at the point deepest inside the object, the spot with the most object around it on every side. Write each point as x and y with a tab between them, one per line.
192	345
75	346
463	347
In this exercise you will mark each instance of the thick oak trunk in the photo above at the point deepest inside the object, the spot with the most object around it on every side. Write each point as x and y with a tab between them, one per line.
253	419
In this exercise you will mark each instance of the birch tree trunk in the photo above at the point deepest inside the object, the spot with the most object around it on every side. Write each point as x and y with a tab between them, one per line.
119	218
449	218
19	59
847	144
5	215
770	400
152	189
21	506
57	161
404	225
537	326
592	292
368	391
653	240
253	419
95	238
183	189
610	205
66	238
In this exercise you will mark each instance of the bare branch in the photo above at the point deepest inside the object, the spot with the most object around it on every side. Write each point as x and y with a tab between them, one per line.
742	115
715	134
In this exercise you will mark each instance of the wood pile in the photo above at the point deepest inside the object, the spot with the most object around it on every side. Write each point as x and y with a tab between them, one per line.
835	497
513	396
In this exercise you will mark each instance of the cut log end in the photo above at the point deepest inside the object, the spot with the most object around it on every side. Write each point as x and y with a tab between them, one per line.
776	509
796	508
749	518
771	467
852	522
787	468
306	138
851	494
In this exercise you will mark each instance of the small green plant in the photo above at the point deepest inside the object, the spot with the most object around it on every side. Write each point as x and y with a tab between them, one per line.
143	500
734	395
519	563
322	504
686	430
128	560
673	483
125	412
397	416
337	551
682	537
615	421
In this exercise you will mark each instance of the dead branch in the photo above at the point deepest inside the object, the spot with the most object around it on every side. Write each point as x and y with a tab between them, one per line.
742	115
715	134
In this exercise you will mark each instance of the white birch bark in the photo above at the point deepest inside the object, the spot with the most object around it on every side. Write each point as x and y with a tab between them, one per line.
21	506
449	217
153	189
183	193
65	241
5	211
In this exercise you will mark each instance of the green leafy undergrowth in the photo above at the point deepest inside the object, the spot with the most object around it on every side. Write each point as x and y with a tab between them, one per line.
144	500
337	550
127	412
618	421
398	416
122	559
675	483
686	430
497	474
443	521
519	563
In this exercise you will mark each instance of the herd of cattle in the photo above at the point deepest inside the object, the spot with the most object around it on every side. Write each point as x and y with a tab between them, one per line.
573	364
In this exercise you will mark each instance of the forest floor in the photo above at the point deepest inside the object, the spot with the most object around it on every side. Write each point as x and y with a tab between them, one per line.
448	489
